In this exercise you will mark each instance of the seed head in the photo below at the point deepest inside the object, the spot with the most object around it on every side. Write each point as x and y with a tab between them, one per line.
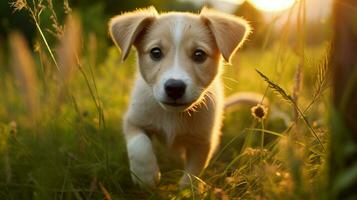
19	4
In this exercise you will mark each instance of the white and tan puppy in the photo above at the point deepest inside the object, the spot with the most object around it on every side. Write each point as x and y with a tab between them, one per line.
178	94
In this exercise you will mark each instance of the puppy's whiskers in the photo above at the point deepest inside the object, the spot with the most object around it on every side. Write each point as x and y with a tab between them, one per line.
211	97
204	103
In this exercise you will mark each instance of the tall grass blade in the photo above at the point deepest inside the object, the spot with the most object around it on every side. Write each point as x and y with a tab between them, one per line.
288	98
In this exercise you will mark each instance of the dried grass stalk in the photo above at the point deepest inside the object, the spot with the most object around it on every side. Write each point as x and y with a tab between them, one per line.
104	191
24	68
68	52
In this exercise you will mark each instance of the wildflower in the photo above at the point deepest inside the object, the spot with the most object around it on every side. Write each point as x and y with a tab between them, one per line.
259	111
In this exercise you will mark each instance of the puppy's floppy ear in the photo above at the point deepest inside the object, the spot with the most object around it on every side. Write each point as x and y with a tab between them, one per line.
125	28
229	31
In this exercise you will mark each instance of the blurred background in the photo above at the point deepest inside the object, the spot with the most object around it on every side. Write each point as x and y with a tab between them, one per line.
266	17
64	90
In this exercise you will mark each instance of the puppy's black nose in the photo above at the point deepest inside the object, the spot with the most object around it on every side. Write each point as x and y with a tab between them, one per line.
175	89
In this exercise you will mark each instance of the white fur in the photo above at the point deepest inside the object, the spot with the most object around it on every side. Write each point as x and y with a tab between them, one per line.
178	30
194	124
199	129
176	71
142	160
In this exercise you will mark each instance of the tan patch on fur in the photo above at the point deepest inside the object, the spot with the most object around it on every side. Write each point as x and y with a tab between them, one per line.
230	32
125	28
195	35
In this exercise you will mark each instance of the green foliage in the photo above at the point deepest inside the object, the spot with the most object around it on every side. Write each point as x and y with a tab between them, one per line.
344	168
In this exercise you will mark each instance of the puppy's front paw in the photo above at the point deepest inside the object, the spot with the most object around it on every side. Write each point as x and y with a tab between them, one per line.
185	181
142	160
189	181
145	173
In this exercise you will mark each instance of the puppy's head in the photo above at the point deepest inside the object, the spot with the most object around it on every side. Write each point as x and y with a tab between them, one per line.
178	53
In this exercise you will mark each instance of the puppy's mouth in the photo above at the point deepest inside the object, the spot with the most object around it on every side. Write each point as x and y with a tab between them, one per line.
176	106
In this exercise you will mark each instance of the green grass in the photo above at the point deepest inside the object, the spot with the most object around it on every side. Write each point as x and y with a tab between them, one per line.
74	148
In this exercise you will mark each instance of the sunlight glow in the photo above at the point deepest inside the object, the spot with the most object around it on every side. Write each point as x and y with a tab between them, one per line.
234	1
272	5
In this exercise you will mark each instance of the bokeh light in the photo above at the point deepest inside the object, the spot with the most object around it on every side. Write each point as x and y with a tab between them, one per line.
272	5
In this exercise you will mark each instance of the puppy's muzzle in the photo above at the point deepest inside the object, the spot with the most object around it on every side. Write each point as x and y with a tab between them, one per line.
174	89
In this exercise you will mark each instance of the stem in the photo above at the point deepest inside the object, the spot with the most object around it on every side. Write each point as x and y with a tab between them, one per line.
94	98
309	126
262	135
47	46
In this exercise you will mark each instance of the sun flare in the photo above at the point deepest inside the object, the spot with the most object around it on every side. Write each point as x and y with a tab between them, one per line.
272	5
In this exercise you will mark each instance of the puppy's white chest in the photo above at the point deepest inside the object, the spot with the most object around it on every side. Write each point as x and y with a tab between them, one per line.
170	126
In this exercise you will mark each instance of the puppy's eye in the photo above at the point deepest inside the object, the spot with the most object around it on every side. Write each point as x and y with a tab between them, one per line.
199	56
156	54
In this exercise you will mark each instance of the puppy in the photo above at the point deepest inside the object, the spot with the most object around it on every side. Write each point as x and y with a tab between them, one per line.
178	94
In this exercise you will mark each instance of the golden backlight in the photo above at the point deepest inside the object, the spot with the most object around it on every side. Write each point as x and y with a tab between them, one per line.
272	5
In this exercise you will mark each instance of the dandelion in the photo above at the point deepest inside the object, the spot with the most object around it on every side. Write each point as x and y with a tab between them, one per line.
259	111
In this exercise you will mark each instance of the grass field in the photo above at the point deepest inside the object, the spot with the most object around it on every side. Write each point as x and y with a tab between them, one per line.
60	125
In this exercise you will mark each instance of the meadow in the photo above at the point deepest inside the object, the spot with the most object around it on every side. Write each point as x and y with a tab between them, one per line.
61	109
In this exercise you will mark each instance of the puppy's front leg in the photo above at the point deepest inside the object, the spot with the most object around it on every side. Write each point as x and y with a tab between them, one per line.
142	160
197	157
